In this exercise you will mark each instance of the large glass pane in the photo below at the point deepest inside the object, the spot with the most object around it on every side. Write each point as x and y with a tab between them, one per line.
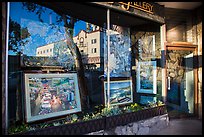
42	45
119	66
180	90
37	44
147	53
90	41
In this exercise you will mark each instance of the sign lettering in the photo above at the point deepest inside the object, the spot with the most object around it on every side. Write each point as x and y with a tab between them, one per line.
144	6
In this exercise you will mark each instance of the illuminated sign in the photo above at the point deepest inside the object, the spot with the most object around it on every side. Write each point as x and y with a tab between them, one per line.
144	6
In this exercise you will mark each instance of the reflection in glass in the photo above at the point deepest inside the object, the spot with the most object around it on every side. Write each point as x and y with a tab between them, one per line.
120	54
181	74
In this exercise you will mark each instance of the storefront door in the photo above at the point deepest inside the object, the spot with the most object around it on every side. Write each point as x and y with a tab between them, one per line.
181	80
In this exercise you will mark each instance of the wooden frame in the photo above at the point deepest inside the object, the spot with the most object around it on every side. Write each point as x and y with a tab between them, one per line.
147	82
50	95
125	94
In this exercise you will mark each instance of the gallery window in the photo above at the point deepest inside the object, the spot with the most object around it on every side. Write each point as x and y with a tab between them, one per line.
63	81
42	67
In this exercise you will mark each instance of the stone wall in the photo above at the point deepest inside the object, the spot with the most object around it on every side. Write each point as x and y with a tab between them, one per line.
143	127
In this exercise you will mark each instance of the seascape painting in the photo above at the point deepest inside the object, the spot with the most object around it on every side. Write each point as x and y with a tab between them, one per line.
49	95
120	92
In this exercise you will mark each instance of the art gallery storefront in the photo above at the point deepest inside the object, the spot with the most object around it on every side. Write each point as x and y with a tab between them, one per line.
47	82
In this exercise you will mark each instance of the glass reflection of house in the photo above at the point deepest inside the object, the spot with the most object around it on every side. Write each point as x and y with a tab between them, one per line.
89	44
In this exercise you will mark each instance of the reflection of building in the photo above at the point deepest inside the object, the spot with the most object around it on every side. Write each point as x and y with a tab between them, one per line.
46	50
90	45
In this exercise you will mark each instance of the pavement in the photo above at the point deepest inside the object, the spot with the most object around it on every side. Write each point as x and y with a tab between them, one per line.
182	126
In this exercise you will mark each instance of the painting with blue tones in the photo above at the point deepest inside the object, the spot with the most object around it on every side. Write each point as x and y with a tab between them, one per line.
120	92
120	53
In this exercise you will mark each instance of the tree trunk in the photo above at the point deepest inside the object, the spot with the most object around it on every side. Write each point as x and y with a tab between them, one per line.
79	64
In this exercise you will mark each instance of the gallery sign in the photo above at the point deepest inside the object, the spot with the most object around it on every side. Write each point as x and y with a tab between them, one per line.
144	6
147	10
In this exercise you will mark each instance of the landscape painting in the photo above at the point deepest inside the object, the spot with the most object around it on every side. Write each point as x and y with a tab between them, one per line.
50	95
120	92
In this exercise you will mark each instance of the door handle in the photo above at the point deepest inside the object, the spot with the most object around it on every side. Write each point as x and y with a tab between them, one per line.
169	82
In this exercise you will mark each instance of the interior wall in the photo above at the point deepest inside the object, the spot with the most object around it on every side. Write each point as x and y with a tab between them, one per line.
176	22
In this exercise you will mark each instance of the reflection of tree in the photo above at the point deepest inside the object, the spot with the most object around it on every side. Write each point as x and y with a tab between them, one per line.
17	36
69	26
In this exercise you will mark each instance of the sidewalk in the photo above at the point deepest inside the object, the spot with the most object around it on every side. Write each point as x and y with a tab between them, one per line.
183	126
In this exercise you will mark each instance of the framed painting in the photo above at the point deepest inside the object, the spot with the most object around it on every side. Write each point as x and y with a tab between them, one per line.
120	92
51	95
120	52
146	77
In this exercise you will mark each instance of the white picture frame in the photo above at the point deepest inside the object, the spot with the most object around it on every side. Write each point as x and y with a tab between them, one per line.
146	77
51	95
120	92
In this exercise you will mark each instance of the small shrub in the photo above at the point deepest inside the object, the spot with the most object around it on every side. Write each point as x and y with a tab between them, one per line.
132	108
160	103
18	128
96	116
74	118
111	111
86	117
